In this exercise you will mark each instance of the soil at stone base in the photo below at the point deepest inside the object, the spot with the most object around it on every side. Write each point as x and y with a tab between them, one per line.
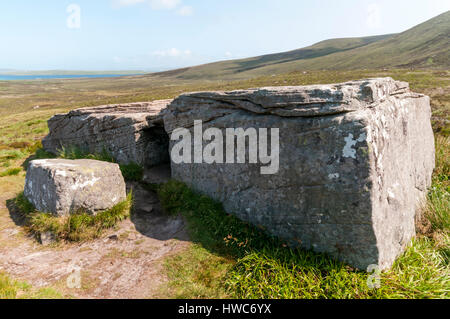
126	262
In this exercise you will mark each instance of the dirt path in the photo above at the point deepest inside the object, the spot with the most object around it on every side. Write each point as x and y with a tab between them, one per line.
127	262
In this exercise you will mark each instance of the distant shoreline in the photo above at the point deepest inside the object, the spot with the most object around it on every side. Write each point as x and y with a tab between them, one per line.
11	77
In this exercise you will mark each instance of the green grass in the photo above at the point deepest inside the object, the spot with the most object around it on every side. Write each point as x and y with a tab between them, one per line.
11	172
21	122
74	153
130	171
11	155
438	212
211	267
250	264
76	227
196	273
438	206
12	289
231	258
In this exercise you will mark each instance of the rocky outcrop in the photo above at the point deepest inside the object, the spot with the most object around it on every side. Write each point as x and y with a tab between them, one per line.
355	160
62	187
129	132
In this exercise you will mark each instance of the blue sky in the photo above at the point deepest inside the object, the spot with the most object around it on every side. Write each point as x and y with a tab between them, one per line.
162	34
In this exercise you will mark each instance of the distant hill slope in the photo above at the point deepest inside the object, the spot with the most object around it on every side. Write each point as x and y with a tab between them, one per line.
424	46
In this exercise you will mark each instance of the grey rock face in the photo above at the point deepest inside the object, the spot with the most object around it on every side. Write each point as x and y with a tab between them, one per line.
129	132
62	187
355	161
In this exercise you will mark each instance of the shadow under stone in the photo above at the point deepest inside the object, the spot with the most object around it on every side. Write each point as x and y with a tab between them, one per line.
14	212
147	214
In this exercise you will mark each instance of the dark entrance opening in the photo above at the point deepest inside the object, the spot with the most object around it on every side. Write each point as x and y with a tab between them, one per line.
157	159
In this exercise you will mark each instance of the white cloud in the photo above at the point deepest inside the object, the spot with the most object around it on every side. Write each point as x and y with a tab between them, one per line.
172	53
185	11
164	4
373	16
155	5
126	3
228	54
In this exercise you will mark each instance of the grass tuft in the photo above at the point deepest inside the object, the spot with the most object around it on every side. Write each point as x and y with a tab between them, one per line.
11	155
130	171
438	205
11	172
11	289
8	290
78	153
251	264
212	267
76	227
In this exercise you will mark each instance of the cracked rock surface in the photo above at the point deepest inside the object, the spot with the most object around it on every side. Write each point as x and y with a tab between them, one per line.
355	161
62	187
130	132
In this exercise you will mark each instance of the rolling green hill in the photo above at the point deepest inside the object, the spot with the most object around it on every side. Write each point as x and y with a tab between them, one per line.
424	46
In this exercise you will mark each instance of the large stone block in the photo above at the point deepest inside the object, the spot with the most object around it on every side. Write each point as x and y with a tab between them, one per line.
129	132
62	187
355	161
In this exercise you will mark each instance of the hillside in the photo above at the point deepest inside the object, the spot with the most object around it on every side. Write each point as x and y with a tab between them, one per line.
425	46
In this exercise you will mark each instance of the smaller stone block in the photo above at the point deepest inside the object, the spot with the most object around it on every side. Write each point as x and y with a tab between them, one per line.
64	187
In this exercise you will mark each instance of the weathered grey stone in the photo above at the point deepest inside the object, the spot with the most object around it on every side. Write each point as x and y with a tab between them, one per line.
355	161
62	187
129	132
